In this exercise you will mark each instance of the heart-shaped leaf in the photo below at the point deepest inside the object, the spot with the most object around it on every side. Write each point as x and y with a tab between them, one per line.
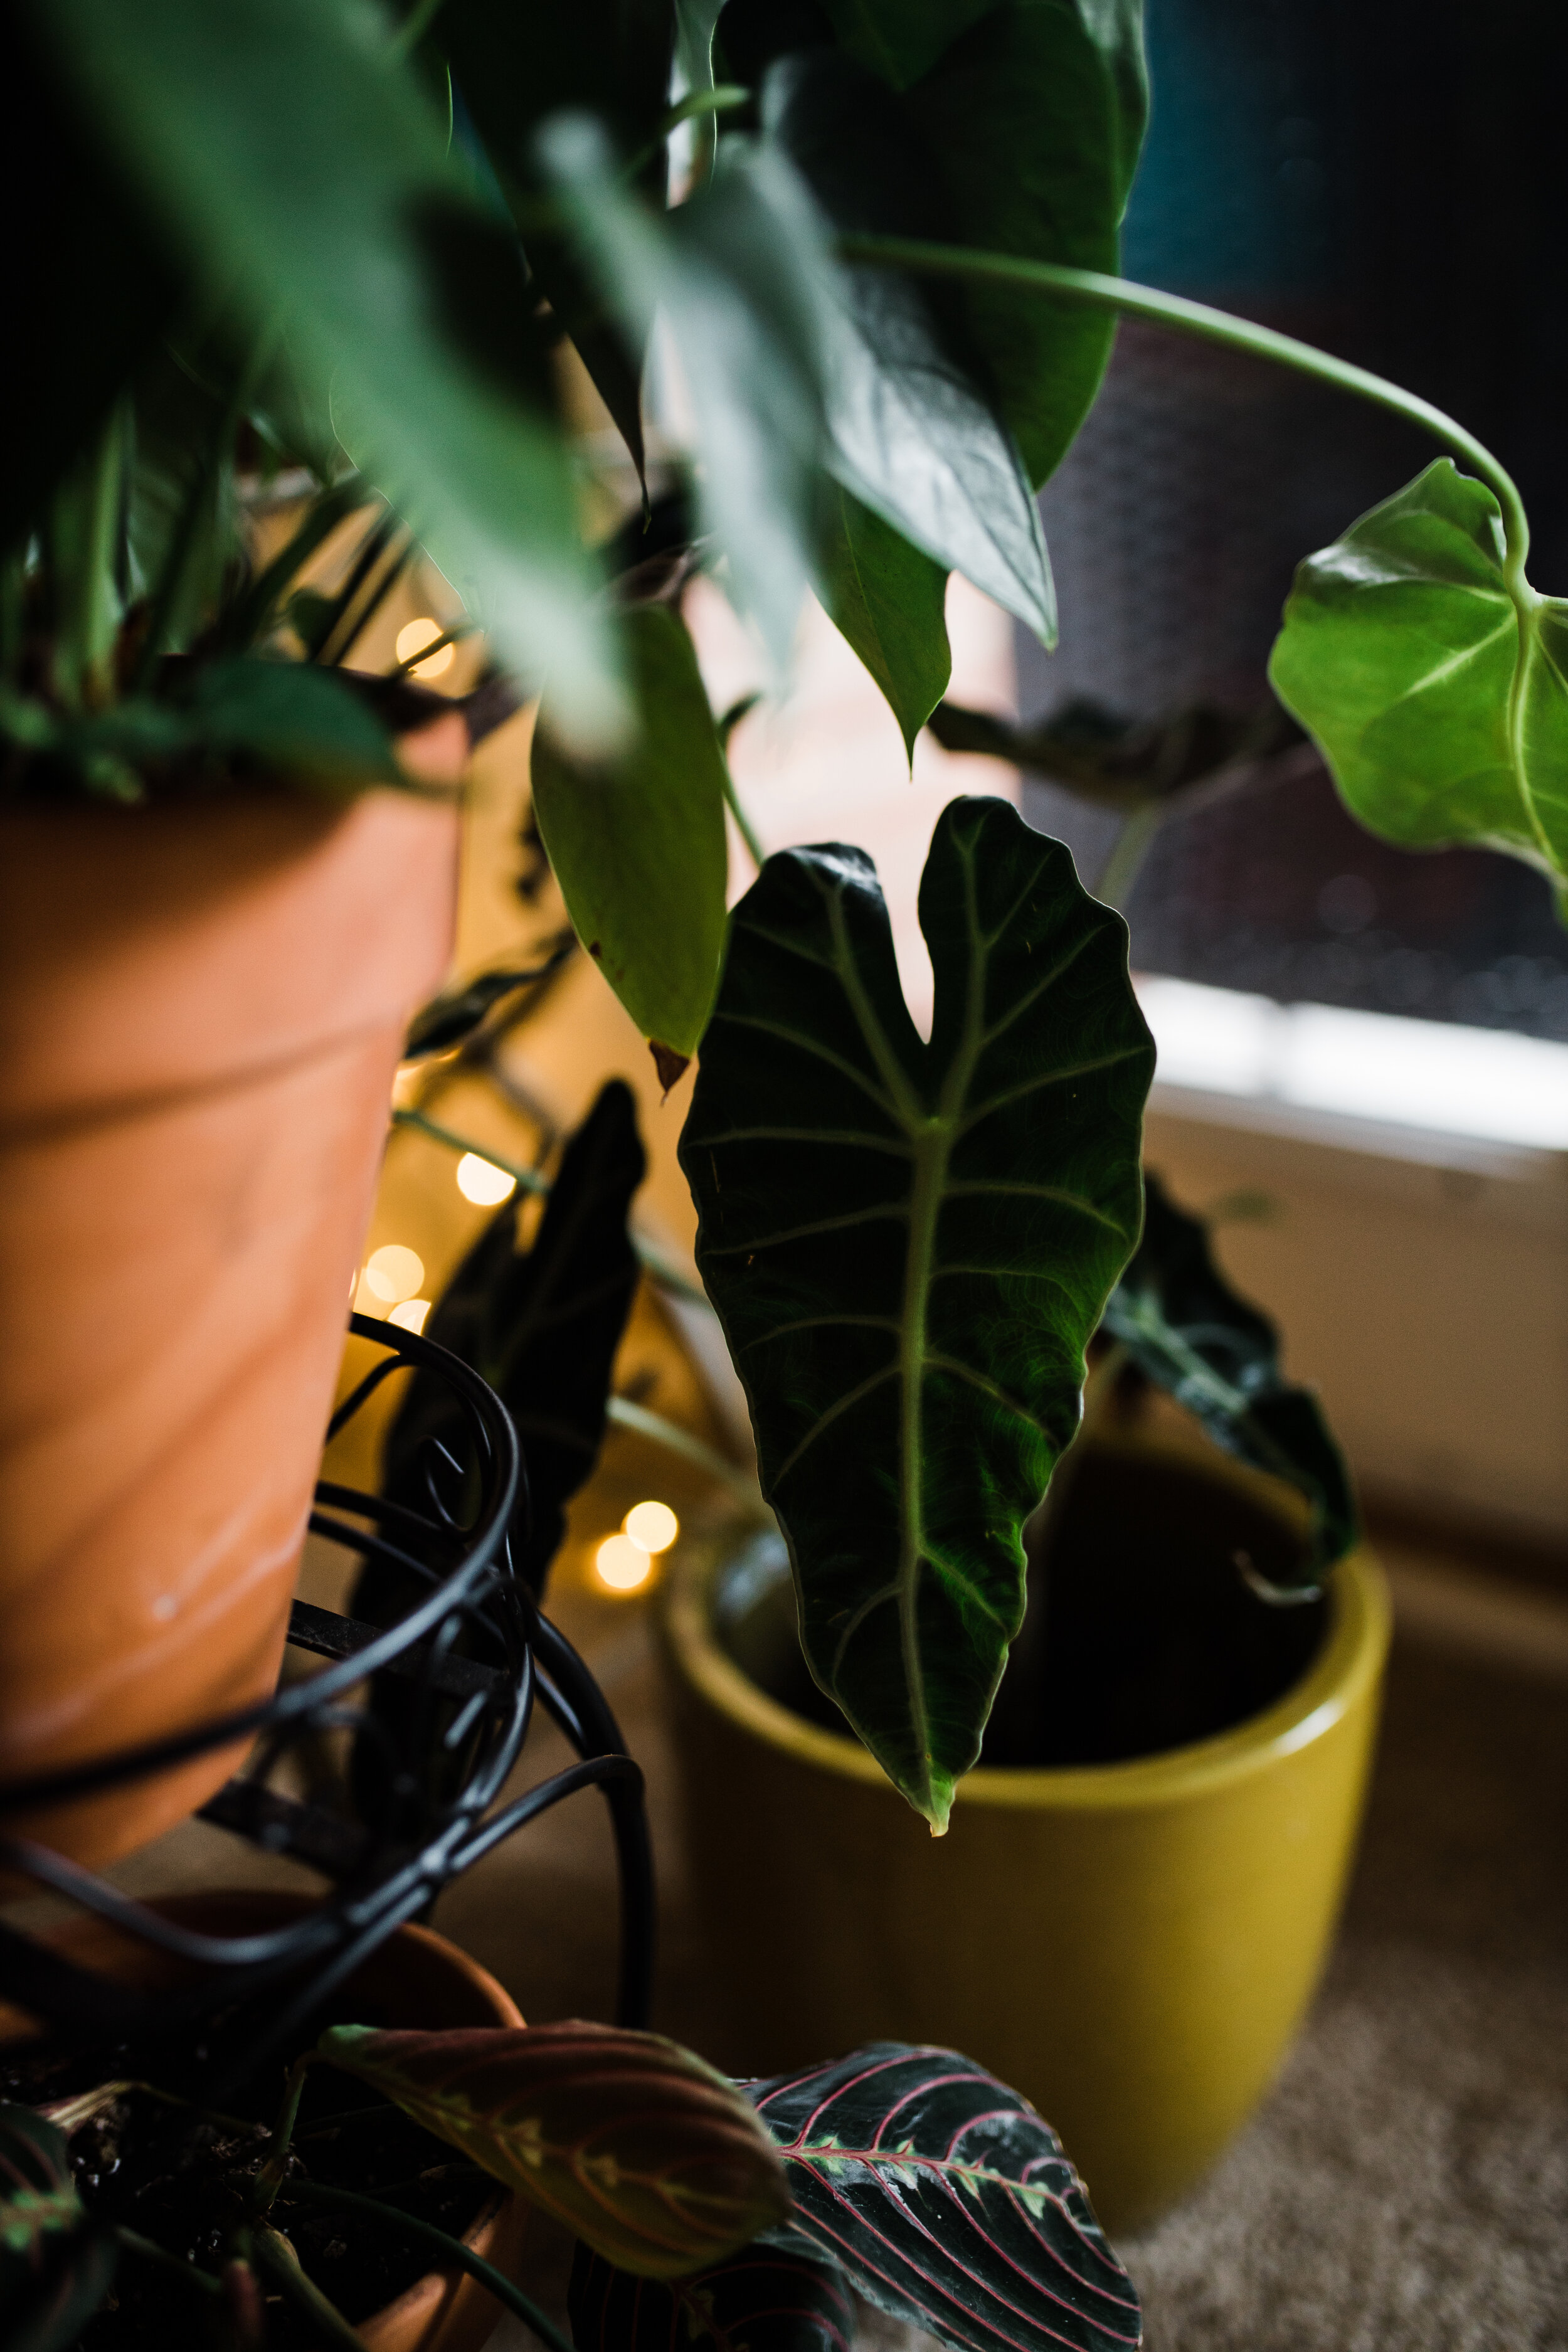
287	154
1437	689
909	1247
914	416
741	276
637	840
56	2263
767	2298
890	603
1183	1324
655	2161
948	2201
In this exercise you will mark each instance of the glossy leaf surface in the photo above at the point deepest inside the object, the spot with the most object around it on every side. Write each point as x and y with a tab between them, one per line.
741	276
56	2263
915	427
890	603
637	840
655	2161
767	2298
541	1326
1183	1324
1440	705
910	1244
285	153
948	2201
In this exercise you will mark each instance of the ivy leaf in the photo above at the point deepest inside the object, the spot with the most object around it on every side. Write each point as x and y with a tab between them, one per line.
765	2299
636	840
1439	701
541	1327
655	2161
742	279
890	603
948	2201
246	132
56	2263
1186	1327
909	1247
916	432
1035	116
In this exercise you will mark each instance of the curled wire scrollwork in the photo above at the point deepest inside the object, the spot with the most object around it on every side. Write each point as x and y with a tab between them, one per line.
467	1663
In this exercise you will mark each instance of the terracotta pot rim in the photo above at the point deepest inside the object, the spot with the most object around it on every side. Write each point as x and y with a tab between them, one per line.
1348	1664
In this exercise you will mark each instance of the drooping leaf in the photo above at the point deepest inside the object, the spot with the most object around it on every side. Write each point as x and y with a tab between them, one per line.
909	1247
767	2298
1119	764
516	66
1439	698
948	2201
1183	1324
637	841
913	415
285	153
56	2263
541	1326
890	603
451	1018
742	279
1034	115
655	2161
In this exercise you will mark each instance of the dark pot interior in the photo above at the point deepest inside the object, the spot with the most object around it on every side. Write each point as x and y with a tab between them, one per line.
1143	1633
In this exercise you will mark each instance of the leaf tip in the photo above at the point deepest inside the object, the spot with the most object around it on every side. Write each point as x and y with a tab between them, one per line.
671	1066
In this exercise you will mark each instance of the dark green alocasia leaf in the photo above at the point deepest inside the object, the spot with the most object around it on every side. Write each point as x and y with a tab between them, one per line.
741	278
948	2201
890	603
541	1326
902	40
766	2299
915	429
1035	116
1438	696
909	1245
286	152
1182	1323
636	840
56	2263
655	2161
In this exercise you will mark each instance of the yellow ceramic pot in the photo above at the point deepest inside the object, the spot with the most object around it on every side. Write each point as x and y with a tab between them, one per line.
1131	1945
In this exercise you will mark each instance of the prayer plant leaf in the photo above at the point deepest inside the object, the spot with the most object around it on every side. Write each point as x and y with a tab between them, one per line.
767	2298
541	1326
286	152
56	2263
915	429
637	839
1440	705
890	603
948	2201
909	1247
1186	1327
655	2161
741	277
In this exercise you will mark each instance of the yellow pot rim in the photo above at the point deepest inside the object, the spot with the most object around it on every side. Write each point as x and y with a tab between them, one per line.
1340	1678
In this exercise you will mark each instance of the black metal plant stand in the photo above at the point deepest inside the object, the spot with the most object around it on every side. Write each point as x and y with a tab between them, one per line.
437	1760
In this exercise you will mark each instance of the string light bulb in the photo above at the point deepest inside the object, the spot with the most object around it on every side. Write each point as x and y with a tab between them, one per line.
393	1273
413	635
622	1564
481	1182
652	1527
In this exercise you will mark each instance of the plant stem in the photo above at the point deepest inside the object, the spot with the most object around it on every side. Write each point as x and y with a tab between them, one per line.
452	2251
1125	862
1099	292
676	1440
270	2180
277	2257
747	829
147	2250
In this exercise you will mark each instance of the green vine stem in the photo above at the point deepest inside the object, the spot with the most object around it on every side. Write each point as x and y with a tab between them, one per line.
451	2250
1099	292
745	1491
277	2256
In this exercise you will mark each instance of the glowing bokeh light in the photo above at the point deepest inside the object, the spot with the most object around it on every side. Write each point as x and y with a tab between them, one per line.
481	1182
622	1564
424	632
393	1273
652	1527
411	1314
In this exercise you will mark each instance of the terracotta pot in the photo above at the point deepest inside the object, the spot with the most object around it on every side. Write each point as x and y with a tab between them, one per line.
1131	1945
417	1980
201	1009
